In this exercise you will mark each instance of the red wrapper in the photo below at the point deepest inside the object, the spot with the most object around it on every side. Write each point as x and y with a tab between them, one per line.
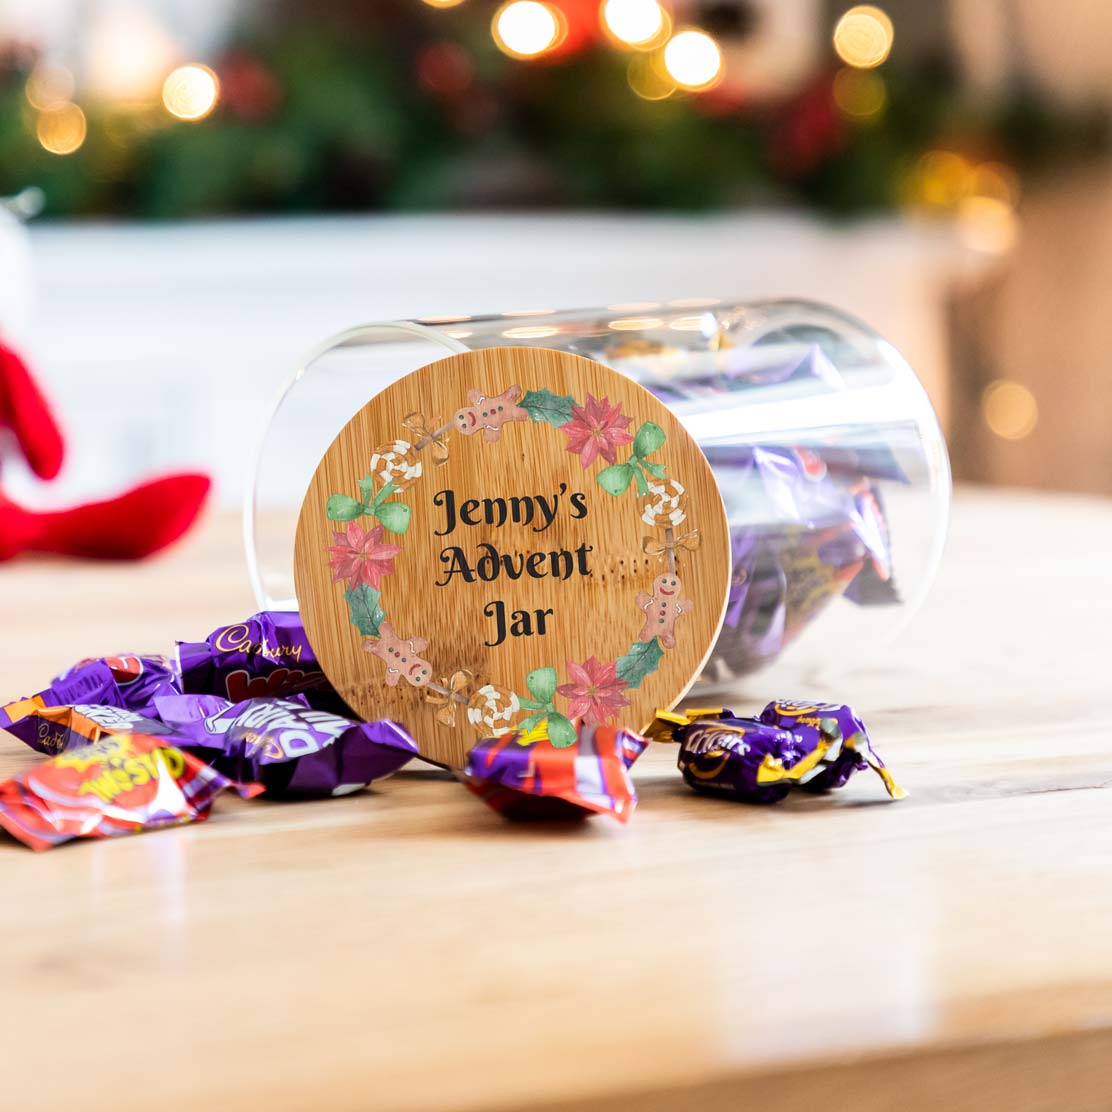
119	785
525	776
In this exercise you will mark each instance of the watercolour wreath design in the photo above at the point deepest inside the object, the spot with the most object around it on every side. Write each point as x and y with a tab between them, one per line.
362	559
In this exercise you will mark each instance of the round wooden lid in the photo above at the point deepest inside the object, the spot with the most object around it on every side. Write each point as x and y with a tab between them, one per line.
511	538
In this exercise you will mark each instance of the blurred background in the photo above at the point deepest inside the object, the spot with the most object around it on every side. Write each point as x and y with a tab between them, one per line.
202	190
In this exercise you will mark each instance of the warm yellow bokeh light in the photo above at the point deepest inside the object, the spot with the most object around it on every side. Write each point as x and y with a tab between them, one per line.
528	28
530	332
49	86
863	37
988	224
1010	410
636	23
994	179
191	92
693	60
62	129
860	94
443	3
944	178
648	78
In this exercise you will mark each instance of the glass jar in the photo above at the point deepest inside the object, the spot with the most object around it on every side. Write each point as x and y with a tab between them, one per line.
830	460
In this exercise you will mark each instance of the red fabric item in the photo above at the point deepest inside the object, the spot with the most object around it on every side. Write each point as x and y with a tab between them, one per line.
128	527
23	409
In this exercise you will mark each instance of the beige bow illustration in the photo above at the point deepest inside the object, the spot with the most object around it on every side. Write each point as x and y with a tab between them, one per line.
447	698
429	436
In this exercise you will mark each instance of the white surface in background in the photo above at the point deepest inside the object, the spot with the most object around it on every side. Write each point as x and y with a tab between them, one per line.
163	345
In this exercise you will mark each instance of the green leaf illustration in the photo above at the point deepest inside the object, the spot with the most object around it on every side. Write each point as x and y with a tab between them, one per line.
394	515
641	661
560	731
642	482
366	487
363	606
544	405
526	724
542	685
379	498
649	437
529	704
657	470
341	507
616	478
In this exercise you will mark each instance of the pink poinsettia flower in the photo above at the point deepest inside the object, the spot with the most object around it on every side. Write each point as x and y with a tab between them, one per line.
359	556
596	429
595	692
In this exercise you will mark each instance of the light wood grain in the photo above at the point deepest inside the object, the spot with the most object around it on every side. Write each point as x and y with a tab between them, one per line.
437	622
404	948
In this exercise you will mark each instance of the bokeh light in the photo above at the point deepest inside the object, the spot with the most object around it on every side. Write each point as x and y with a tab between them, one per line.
443	3
636	23
191	92
1009	409
693	60
994	179
528	28
860	94
126	54
62	129
49	86
988	224
863	37
943	178
648	78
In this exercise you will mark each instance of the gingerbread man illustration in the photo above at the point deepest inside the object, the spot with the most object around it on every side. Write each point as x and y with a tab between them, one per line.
490	414
662	609
401	656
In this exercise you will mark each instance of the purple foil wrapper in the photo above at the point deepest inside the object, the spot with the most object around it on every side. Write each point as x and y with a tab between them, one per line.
293	750
139	679
802	534
265	656
811	746
54	730
523	776
813	723
724	756
92	683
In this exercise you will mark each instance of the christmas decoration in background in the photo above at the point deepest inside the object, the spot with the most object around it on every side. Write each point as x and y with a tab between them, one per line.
416	104
137	523
130	526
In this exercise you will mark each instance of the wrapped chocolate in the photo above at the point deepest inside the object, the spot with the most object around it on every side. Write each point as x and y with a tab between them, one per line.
812	746
291	749
90	684
524	776
118	785
54	730
803	533
839	737
139	679
265	656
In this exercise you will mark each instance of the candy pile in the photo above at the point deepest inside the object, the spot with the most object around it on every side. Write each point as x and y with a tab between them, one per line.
811	746
138	742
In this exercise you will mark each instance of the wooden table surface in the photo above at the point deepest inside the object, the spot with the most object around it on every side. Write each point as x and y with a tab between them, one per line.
405	948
